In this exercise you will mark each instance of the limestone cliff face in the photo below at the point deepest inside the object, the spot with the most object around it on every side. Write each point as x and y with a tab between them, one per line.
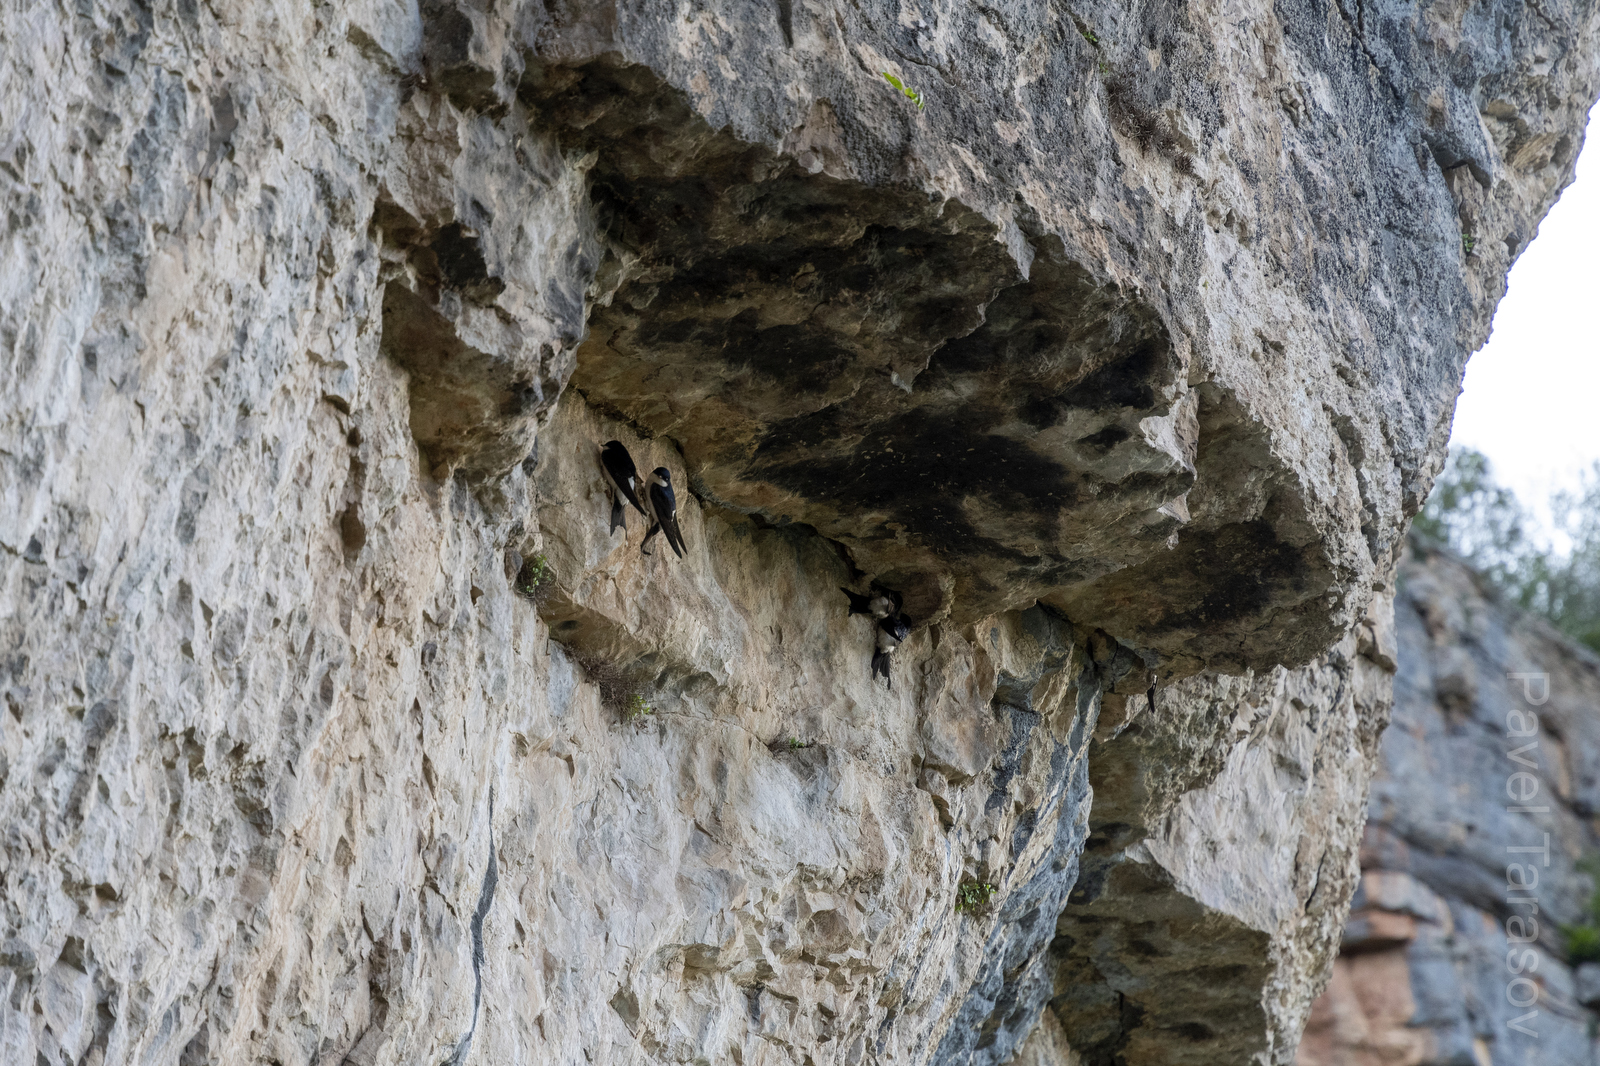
1125	356
1425	972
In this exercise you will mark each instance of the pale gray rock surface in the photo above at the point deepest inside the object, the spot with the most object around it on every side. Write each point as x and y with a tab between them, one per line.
1586	984
312	316
1221	856
1424	975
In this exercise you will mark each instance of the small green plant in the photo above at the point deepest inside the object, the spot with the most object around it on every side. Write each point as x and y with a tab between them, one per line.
1467	243
536	577
1582	939
1105	69
974	896
795	743
636	708
910	94
621	686
1089	36
1583	943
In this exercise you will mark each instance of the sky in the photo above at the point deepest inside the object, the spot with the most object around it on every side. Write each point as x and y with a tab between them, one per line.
1531	401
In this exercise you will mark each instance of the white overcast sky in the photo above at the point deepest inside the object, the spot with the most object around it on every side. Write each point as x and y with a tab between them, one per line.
1532	393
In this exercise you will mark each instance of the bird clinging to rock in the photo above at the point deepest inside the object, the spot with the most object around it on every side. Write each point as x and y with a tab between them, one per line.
663	510
892	632
623	477
878	603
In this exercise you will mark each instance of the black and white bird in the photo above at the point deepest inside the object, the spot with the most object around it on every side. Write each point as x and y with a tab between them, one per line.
663	510
879	603
892	632
623	477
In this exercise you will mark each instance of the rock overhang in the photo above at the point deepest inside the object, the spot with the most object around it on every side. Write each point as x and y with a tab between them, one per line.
966	405
1307	271
1149	295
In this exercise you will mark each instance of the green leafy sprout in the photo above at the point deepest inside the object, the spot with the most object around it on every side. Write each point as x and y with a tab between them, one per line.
1583	943
910	94
1467	243
535	572
1089	36
974	896
636	708
795	743
1582	939
1489	526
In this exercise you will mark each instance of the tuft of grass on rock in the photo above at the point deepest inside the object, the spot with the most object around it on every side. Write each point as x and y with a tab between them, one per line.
910	94
1582	939
636	708
1148	131
1582	943
1085	32
537	579
974	896
620	688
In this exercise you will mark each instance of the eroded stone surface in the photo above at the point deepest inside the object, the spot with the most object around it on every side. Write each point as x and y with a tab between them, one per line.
1220	859
1423	975
1182	306
291	299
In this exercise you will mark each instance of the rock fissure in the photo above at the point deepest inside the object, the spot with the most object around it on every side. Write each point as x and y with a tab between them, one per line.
491	881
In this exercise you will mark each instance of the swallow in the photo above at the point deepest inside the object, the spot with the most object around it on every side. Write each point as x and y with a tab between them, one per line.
663	510
623	477
892	632
879	603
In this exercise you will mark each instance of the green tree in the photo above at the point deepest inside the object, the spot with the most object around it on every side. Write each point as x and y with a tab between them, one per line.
1479	520
1572	585
1485	523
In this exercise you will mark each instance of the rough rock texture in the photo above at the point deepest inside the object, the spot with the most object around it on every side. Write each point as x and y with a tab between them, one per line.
1125	358
1426	972
1220	860
1182	300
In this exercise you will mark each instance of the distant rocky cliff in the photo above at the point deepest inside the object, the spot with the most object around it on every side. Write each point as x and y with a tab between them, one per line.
1120	341
1446	959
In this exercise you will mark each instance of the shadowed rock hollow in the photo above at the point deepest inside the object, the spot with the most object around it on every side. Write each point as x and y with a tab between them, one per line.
965	406
1126	357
